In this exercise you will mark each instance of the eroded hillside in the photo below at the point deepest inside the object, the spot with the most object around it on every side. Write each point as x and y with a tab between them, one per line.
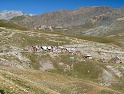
59	71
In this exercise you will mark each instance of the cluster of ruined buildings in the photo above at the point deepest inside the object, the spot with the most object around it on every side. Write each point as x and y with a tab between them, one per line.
57	50
71	50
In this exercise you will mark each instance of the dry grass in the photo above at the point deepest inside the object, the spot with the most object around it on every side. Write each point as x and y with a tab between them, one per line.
36	82
17	81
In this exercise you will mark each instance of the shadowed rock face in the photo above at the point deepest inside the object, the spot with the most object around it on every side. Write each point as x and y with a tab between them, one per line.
10	14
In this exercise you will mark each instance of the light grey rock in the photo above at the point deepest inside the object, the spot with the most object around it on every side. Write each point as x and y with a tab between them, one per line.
10	14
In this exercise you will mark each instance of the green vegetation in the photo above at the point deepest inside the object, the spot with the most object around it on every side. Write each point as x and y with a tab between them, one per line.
16	81
81	69
96	39
88	25
18	18
9	24
106	92
99	39
82	77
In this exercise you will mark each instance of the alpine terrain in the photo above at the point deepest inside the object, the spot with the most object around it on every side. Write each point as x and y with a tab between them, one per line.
77	51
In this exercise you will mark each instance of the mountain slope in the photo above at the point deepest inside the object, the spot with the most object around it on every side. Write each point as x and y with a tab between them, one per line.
65	17
95	21
64	72
25	69
34	82
10	14
10	24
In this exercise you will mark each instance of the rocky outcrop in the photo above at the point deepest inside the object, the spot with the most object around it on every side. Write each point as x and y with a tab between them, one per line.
10	14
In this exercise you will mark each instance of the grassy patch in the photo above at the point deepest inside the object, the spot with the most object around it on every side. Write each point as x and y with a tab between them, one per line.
99	39
9	24
38	82
18	18
107	92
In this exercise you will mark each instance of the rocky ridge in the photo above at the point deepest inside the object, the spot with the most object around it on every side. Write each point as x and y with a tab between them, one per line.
95	21
7	15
